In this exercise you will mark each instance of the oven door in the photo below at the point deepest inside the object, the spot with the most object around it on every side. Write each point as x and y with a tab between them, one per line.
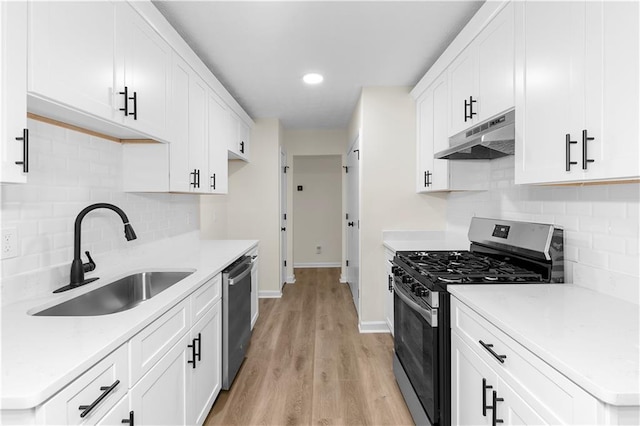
416	346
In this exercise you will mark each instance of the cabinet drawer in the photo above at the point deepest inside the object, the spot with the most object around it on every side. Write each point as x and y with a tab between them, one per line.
97	385
205	297
547	391
153	342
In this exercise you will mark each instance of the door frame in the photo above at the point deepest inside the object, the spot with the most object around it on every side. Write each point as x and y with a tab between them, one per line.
355	145
284	235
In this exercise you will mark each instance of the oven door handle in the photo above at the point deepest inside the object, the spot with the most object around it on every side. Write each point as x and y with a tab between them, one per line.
430	315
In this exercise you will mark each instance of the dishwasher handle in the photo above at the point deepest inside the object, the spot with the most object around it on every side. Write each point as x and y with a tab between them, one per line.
237	278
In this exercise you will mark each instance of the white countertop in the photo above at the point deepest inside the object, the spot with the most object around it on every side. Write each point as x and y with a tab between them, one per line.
41	354
591	338
424	240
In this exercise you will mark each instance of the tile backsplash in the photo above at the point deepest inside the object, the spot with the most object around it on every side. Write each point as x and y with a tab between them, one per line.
68	171
601	224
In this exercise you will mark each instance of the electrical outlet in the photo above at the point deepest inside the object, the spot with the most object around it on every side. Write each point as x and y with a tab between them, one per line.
318	249
9	243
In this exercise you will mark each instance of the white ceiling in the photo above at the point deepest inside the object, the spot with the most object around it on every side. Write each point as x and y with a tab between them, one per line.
259	50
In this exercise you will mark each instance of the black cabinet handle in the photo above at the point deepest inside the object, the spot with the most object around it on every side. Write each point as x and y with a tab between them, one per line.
495	419
198	178
126	101
427	178
106	391
192	182
585	160
193	353
568	142
242	147
25	151
199	340
488	347
129	420
134	98
484	397
469	105
213	181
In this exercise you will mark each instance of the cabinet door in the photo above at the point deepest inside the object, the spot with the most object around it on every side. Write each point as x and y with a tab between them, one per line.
179	175
470	381
495	66
71	54
13	89
462	84
433	174
612	88
218	136
160	397
117	414
550	98
143	66
207	374
255	266
513	410
245	143
198	141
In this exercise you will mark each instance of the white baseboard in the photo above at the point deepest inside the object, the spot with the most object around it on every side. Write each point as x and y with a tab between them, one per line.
270	294
389	326
373	327
343	279
317	265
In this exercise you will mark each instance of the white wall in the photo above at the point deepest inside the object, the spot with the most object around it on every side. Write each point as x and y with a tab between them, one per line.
317	210
252	207
388	201
600	222
68	171
313	142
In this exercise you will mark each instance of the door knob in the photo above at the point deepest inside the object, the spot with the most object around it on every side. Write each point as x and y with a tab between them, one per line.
350	224
283	229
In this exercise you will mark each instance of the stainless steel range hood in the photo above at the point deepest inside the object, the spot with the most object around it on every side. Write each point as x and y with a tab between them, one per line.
492	139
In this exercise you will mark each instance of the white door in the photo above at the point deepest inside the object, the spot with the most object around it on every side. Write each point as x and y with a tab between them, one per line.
353	222
283	217
207	376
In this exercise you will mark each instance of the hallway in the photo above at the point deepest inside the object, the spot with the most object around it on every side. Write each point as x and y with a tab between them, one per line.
308	364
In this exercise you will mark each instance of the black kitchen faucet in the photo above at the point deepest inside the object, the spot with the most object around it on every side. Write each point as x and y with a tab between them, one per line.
78	268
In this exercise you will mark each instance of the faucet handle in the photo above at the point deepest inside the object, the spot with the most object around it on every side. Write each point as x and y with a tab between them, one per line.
88	267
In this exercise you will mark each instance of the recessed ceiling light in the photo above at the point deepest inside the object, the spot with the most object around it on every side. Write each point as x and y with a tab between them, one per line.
313	78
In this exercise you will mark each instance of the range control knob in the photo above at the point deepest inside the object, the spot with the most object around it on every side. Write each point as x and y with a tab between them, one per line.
394	270
421	292
407	279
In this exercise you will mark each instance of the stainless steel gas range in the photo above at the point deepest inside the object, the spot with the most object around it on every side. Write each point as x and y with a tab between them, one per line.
501	252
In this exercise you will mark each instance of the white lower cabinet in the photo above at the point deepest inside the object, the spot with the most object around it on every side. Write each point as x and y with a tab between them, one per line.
206	372
388	258
160	397
485	360
118	415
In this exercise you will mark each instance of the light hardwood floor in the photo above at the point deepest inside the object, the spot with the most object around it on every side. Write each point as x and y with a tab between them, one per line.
308	364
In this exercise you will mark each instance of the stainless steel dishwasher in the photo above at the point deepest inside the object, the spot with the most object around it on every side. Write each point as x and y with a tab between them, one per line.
236	317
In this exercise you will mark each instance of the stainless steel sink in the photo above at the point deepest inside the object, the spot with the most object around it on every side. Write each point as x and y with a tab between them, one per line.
118	296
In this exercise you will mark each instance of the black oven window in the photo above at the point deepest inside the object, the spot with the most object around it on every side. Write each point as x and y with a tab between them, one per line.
416	345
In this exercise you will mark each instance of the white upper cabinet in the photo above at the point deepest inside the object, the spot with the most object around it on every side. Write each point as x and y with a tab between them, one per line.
179	147
442	175
13	92
71	54
218	141
239	140
143	66
481	79
577	91
198	140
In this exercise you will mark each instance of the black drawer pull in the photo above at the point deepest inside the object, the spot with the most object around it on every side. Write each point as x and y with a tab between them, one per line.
242	147
107	390
25	151
568	142
126	101
488	347
193	353
585	159
199	352
129	420
495	419
484	397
